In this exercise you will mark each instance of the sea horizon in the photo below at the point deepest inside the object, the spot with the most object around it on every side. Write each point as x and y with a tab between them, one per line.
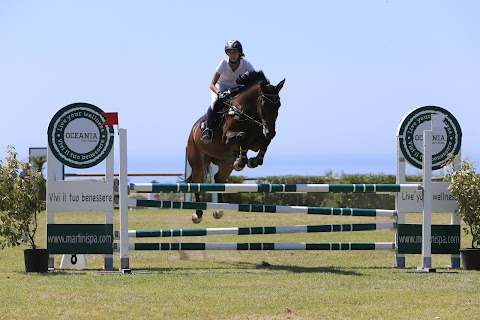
305	166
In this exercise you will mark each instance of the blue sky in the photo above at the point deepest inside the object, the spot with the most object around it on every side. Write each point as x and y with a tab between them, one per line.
353	69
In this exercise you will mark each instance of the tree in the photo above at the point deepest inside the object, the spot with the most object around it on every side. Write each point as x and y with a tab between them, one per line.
465	186
20	202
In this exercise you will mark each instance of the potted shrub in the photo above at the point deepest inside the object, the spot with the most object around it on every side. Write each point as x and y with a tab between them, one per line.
20	203
465	186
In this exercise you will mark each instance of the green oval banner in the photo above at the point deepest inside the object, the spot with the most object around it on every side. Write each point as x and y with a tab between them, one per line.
77	136
446	141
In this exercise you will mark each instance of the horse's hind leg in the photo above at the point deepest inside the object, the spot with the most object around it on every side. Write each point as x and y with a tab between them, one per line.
197	164
221	176
195	177
198	215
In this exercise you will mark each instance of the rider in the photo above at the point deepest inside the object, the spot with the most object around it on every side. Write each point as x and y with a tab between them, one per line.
226	73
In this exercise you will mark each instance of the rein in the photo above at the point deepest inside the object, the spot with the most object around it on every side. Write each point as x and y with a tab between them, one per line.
242	114
272	98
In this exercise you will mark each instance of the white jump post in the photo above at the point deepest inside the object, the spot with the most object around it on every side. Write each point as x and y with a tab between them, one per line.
436	124
399	257
123	201
455	218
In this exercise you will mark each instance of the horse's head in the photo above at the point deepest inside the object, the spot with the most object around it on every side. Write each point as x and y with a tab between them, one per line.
255	109
269	103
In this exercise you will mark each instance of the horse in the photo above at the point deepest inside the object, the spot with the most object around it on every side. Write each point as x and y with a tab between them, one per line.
246	122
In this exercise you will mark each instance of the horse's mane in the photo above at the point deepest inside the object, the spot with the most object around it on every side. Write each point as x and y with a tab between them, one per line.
252	77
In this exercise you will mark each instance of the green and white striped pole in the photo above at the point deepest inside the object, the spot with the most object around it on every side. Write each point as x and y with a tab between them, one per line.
250	246
271	188
169	204
259	230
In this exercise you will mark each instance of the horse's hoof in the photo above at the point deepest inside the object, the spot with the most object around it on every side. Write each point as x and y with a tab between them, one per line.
238	165
252	163
217	214
196	219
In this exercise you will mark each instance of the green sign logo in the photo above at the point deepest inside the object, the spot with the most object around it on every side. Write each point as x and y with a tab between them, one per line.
77	136
80	238
445	239
446	141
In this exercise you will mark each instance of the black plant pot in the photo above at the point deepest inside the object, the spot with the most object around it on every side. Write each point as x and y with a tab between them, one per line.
470	258
36	260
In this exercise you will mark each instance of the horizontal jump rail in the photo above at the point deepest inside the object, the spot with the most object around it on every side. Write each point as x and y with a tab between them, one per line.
260	246
186	205
271	188
258	230
130	174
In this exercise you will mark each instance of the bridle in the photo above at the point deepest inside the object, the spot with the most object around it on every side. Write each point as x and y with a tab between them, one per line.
274	98
270	97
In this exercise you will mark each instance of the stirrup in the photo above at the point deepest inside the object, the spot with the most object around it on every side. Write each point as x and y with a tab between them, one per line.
207	135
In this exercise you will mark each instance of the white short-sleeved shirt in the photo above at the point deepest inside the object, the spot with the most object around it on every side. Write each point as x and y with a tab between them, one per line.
228	76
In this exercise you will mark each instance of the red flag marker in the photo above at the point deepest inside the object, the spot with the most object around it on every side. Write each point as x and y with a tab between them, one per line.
111	118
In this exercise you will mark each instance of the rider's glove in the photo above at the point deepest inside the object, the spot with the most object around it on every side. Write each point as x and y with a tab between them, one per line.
223	95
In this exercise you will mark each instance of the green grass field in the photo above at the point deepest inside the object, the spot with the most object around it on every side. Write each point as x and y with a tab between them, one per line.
242	284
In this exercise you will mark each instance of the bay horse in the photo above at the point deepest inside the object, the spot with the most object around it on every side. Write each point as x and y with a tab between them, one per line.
246	122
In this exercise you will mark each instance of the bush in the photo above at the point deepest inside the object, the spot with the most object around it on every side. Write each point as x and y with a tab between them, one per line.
340	200
20	202
465	186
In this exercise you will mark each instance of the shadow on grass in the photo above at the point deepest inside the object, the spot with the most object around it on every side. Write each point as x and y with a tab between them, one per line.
300	269
64	272
239	266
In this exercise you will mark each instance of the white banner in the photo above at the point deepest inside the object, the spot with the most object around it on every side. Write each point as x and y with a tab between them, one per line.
442	199
80	196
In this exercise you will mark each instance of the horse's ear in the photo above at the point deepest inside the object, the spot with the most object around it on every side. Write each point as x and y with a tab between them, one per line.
279	86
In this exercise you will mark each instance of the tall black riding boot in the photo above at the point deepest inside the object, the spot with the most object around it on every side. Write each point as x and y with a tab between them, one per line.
207	132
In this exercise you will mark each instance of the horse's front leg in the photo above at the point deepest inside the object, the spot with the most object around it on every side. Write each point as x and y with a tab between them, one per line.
234	136
234	140
258	160
241	161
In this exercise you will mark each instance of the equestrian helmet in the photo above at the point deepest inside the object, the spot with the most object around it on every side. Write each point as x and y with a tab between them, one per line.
234	45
